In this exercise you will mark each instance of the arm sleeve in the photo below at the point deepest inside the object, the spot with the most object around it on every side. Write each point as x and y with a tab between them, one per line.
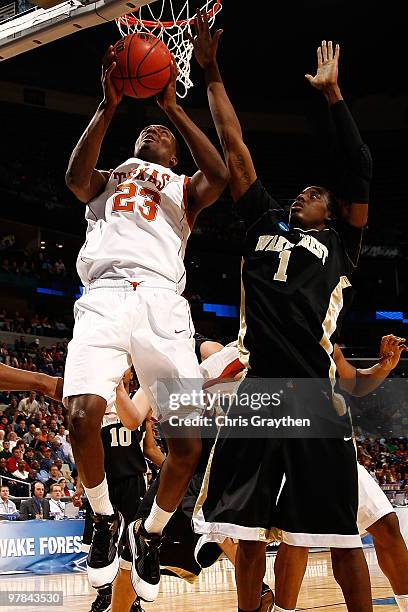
254	203
356	155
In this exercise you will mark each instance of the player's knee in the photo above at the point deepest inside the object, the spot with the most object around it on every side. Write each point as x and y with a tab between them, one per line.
342	560
386	531
84	414
251	552
187	451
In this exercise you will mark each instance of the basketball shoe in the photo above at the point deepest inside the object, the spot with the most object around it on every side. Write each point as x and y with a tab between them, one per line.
145	572
103	559
267	599
102	602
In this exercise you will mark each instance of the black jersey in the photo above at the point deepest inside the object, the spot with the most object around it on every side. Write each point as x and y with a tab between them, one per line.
293	281
123	455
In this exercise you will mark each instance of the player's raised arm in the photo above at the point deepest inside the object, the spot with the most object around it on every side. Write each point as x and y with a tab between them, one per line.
82	178
205	187
360	382
14	379
239	161
356	153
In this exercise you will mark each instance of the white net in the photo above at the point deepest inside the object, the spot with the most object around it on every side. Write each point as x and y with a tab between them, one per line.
170	25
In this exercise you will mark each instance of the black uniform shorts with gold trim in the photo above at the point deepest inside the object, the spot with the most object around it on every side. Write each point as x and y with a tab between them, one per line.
299	490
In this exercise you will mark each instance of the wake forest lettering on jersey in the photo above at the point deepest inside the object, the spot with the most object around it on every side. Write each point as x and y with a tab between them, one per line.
293	284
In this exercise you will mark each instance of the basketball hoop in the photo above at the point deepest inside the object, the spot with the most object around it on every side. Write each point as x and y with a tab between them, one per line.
171	27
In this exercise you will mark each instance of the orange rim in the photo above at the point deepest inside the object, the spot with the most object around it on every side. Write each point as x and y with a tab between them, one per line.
151	25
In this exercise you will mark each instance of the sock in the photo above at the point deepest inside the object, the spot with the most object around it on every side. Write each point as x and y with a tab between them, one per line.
265	587
98	497
279	609
402	601
157	519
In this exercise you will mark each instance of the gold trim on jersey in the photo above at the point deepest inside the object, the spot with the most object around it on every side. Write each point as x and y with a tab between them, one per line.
181	573
329	326
204	487
243	352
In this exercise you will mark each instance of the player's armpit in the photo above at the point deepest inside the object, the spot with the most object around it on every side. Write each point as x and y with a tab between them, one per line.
86	192
202	192
240	165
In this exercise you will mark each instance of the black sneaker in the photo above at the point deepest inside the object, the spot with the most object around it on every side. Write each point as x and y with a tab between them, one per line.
136	607
267	599
145	572
102	602
103	560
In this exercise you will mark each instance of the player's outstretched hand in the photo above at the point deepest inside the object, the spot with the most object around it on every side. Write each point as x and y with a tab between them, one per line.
390	351
53	387
205	44
167	99
112	96
327	67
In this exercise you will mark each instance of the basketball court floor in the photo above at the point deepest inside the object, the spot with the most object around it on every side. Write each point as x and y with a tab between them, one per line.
214	591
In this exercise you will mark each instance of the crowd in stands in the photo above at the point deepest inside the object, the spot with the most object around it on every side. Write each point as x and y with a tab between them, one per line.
33	357
37	325
386	459
35	450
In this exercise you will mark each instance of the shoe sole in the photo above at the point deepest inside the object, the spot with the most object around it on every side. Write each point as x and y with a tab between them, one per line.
137	581
115	563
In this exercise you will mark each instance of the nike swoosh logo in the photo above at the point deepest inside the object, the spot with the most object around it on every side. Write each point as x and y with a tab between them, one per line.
347	439
179	331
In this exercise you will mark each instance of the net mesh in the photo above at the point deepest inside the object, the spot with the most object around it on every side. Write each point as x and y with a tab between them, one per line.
170	25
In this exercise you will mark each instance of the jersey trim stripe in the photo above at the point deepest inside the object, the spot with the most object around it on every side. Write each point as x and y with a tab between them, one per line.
243	351
185	199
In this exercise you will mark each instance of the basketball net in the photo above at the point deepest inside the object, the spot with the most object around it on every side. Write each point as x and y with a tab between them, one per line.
172	31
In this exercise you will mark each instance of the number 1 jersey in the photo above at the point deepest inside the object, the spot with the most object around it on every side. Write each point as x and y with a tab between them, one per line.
292	289
137	227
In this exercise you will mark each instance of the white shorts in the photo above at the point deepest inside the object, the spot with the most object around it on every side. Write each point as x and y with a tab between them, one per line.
116	325
373	504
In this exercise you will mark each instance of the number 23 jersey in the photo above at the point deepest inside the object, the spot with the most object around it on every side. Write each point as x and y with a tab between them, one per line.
292	289
138	226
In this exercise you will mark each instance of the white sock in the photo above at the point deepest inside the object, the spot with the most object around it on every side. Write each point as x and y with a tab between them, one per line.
157	519
402	601
99	498
279	609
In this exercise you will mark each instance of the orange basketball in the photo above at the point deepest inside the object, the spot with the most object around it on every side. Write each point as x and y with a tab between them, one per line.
143	65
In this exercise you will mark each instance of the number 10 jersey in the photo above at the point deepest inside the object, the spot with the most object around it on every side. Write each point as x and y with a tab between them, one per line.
137	228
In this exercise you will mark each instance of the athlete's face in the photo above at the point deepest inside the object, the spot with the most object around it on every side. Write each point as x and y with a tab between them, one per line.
310	209
157	144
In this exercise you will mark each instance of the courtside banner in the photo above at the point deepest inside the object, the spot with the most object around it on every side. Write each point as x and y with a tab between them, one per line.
43	547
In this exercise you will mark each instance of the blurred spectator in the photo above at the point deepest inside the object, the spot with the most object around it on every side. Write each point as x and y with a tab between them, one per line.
29	405
3	467
28	456
13	462
66	491
55	474
65	470
6	453
6	505
62	434
43	405
21	429
46	462
12	438
29	436
21	472
12	409
56	451
36	507
57	507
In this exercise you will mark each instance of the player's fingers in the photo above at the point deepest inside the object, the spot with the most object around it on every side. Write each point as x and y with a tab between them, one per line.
324	50
190	37
309	77
337	52
216	39
330	50
319	56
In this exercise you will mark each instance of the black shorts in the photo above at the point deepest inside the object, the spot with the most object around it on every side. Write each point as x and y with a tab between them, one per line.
300	491
177	551
126	496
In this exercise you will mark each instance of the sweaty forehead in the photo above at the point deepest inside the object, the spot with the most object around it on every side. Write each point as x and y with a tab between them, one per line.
314	188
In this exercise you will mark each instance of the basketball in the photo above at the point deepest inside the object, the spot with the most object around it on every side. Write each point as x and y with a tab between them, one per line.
143	65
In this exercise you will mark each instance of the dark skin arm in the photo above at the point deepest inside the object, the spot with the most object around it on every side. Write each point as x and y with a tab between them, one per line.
360	382
82	178
13	379
150	449
237	156
206	186
326	81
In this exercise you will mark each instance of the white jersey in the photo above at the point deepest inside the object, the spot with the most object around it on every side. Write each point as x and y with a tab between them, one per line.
138	227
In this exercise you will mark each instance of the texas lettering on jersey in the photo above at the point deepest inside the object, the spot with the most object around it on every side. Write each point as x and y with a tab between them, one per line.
143	173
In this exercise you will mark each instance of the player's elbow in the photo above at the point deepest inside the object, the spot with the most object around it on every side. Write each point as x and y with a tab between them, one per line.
79	190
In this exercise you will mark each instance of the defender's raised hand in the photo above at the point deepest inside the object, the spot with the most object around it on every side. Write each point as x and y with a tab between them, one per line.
205	44
112	96
390	351
327	67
